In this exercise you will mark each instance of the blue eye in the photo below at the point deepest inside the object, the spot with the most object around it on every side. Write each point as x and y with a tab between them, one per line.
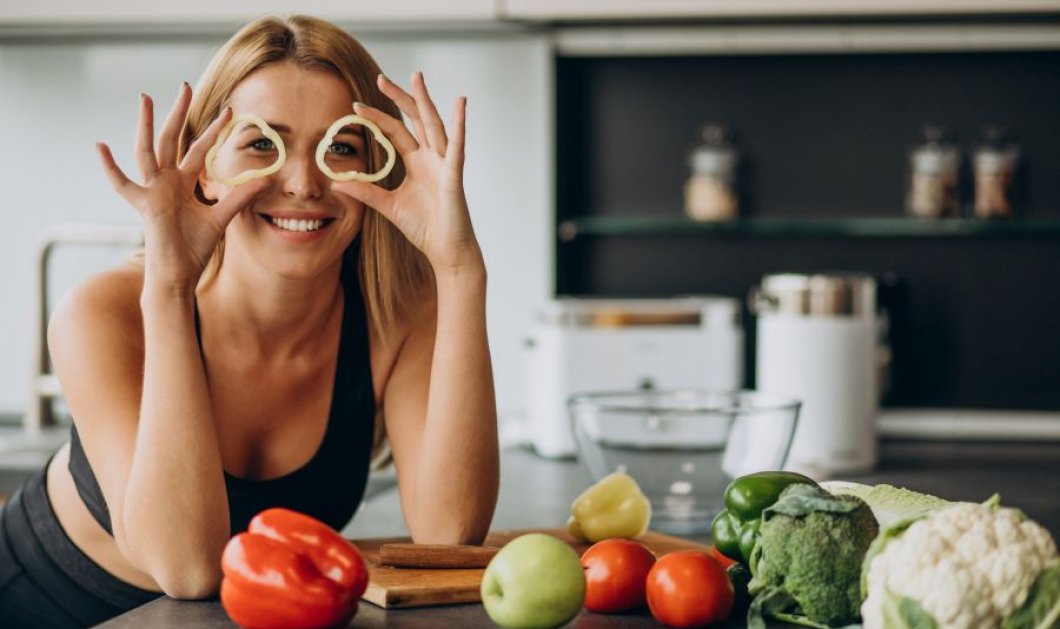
343	149
262	144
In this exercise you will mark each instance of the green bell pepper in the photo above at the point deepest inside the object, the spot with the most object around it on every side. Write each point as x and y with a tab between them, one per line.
735	528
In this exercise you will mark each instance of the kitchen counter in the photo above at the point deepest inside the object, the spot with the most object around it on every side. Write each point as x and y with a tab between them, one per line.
537	492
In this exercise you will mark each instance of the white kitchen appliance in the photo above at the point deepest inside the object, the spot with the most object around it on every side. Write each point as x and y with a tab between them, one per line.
818	341
582	345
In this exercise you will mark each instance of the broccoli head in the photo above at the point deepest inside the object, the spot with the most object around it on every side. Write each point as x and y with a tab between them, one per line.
811	547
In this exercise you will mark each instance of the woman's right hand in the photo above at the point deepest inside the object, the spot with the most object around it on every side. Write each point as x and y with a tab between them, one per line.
180	231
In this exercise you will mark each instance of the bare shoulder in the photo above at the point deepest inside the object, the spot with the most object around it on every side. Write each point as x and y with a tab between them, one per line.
105	306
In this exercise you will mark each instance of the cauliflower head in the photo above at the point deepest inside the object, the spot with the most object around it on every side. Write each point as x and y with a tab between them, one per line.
967	566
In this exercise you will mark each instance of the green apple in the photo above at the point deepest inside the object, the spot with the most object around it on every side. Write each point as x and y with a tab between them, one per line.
535	581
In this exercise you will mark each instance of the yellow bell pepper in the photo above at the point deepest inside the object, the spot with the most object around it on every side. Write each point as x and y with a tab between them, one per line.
613	507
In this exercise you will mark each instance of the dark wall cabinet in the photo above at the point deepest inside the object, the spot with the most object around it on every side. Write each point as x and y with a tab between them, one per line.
974	306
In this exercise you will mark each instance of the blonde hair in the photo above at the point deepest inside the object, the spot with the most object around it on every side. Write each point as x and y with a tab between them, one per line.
395	277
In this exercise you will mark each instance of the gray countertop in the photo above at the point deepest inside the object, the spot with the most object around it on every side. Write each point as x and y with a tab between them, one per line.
537	492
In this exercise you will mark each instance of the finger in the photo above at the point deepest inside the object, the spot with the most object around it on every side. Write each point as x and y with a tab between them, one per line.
169	138
391	127
454	154
407	104
367	193
121	184
238	199
432	122
195	158
145	139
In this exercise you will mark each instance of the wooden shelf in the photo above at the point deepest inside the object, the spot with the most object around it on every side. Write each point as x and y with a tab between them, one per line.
573	229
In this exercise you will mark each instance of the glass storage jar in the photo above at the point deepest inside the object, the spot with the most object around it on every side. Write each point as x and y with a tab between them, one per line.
710	192
934	168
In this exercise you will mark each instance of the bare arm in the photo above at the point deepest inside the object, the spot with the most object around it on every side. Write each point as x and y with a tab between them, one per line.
439	402
442	419
176	487
141	402
143	415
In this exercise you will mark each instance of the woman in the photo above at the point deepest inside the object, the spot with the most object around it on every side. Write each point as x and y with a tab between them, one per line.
271	337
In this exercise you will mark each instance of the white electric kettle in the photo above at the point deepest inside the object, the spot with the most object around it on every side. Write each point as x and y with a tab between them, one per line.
817	338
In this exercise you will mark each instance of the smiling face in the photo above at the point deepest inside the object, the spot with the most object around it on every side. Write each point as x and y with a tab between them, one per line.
297	226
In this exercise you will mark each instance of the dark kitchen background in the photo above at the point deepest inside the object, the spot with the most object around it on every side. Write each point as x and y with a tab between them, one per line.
824	138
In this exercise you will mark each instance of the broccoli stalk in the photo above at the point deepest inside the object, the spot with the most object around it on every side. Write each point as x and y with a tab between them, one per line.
808	557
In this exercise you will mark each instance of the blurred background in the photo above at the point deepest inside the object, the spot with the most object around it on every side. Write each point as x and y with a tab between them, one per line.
629	149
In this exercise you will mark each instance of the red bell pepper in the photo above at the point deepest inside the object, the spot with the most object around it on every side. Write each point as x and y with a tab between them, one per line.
291	571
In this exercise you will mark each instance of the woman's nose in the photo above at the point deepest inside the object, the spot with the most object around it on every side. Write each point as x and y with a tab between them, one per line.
301	177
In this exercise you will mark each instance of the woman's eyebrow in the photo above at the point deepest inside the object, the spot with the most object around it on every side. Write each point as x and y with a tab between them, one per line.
282	128
350	130
275	126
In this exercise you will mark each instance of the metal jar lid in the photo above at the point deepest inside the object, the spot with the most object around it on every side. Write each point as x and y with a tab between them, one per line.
823	294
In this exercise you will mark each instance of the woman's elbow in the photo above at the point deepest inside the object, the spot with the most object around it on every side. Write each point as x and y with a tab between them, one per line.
449	537
469	532
475	538
179	576
475	533
184	583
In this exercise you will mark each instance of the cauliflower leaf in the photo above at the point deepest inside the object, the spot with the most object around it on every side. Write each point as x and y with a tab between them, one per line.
902	612
1041	609
889	504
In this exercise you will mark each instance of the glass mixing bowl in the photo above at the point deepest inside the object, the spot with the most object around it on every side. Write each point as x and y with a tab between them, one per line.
683	446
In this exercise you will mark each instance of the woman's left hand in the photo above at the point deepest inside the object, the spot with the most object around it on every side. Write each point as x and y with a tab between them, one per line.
429	207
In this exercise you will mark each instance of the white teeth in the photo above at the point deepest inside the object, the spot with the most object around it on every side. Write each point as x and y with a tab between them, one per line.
297	225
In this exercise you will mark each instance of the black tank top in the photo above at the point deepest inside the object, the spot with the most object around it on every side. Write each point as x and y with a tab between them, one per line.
330	485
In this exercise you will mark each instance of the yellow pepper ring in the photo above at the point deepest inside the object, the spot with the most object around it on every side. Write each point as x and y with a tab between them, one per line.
245	176
322	149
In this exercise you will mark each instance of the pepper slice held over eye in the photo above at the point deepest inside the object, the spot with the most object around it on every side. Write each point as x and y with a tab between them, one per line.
243	177
337	126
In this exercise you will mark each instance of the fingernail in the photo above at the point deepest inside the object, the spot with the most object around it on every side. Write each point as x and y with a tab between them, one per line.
382	77
357	104
143	96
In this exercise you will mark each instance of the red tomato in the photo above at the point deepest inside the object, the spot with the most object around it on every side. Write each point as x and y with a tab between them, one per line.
615	573
722	559
689	589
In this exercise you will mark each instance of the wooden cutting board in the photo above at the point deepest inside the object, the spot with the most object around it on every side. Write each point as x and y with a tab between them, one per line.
407	587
